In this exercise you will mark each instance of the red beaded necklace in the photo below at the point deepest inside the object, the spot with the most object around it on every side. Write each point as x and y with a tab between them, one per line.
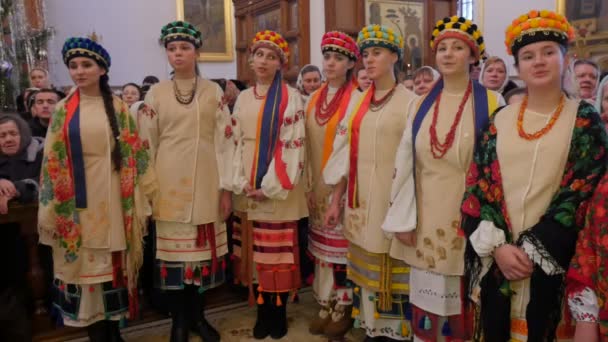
440	149
324	111
376	105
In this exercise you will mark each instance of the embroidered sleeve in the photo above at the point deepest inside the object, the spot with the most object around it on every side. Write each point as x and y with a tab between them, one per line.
401	215
583	305
224	145
587	268
239	175
486	238
148	126
336	168
307	177
287	165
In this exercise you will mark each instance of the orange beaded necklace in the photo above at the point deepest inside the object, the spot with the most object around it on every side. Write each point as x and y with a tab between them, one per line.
544	130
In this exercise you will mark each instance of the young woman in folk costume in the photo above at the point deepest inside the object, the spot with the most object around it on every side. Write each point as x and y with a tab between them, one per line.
188	124
95	183
532	174
437	146
361	165
269	133
324	111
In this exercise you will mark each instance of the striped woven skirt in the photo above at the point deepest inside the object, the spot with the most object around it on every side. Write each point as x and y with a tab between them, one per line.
267	254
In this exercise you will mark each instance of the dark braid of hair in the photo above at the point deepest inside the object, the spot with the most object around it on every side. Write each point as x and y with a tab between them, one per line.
108	103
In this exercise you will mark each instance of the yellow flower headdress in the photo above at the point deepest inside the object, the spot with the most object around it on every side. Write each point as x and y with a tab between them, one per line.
378	35
461	28
536	26
272	40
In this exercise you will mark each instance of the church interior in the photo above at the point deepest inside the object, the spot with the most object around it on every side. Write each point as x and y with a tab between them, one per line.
34	32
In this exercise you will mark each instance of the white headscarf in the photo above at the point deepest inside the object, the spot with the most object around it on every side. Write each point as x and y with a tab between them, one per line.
434	72
299	82
483	69
600	94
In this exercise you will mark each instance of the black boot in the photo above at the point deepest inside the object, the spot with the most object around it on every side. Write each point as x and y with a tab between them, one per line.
279	317
98	332
113	329
198	324
179	316
261	330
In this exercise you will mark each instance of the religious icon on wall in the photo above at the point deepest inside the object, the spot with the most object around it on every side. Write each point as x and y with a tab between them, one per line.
214	19
590	21
405	17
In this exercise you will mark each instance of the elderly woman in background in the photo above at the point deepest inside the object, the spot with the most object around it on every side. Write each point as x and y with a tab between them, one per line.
20	159
494	76
424	78
309	80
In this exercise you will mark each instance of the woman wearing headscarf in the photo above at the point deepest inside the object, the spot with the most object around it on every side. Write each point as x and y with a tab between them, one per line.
95	188
532	174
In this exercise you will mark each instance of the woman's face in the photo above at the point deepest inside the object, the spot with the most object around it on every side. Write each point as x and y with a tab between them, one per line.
182	56
130	95
363	79
423	83
311	81
38	79
453	57
85	72
10	138
335	65
494	75
378	62
266	63
541	64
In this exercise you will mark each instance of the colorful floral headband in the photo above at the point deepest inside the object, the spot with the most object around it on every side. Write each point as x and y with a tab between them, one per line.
85	47
340	42
181	31
460	28
382	36
272	40
536	26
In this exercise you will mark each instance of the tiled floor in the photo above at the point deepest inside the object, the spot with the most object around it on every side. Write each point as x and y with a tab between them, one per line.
235	323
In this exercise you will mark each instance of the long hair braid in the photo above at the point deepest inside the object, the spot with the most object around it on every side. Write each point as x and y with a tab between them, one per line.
108	103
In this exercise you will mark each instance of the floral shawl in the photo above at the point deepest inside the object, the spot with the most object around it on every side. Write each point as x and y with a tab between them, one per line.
58	199
553	237
587	268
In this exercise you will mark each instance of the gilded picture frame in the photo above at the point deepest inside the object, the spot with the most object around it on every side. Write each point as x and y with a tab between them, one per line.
589	18
214	19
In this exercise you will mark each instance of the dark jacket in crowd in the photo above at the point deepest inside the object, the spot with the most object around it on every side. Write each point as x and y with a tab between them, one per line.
23	170
38	129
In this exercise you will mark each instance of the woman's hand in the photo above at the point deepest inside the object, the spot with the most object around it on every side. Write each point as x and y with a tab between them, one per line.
513	262
332	215
407	238
7	188
586	332
256	195
310	200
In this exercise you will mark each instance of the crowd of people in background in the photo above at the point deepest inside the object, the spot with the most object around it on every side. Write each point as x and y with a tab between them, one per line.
390	193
